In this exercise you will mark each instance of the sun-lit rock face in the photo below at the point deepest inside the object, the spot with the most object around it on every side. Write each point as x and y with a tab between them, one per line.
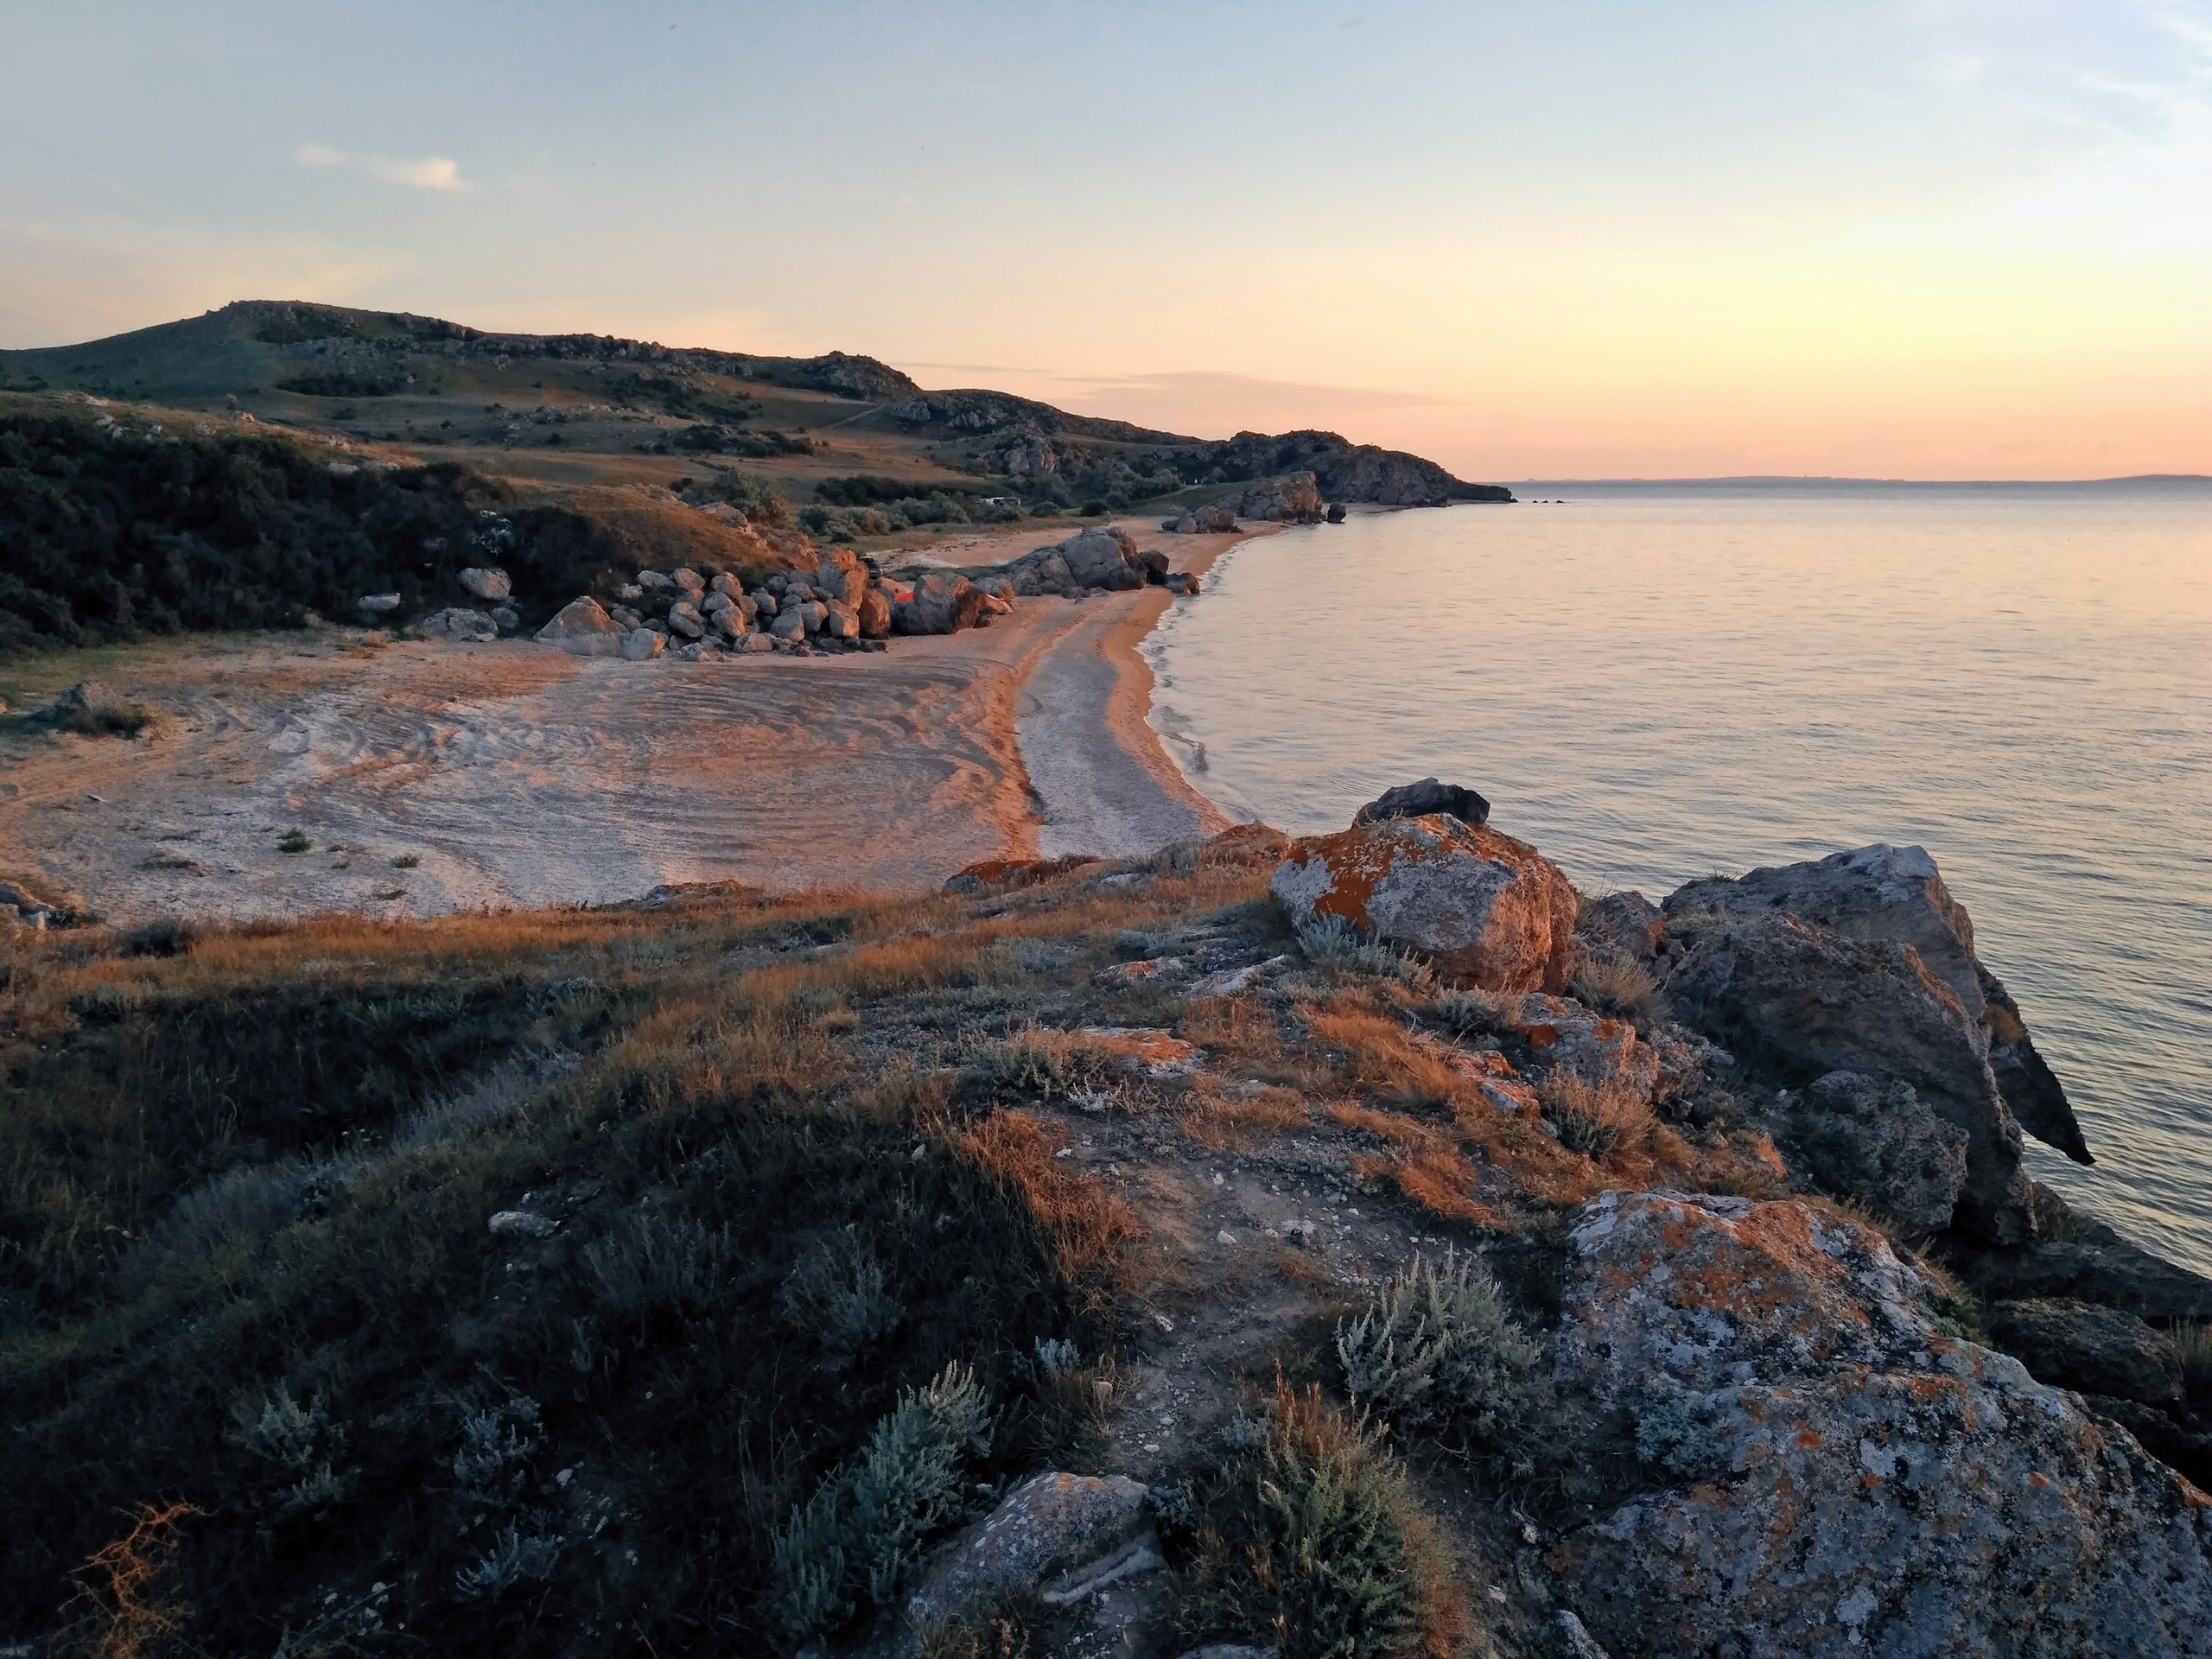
1841	1477
1485	908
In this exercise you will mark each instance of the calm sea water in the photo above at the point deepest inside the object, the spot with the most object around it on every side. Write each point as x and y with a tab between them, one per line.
1657	686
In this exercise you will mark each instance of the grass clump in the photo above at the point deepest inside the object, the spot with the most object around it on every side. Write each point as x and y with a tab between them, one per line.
1436	1349
1476	1014
1592	1120
1332	942
1616	986
1306	1540
294	841
2194	1338
854	1543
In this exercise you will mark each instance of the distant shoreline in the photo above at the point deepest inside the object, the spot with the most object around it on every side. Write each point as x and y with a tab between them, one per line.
2139	483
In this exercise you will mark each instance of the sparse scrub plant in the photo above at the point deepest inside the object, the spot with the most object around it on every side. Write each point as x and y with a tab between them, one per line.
649	1264
1617	985
297	1441
1590	1119
2194	1338
837	1292
1331	942
497	1443
294	841
859	1534
515	1556
1309	1542
1436	1349
1476	1012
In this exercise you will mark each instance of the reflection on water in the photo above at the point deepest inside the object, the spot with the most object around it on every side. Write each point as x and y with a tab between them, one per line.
1659	687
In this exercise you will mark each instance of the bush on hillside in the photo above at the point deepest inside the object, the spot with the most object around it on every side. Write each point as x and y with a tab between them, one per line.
115	536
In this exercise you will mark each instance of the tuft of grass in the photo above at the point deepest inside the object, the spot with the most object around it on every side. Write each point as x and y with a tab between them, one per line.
1615	986
294	841
1436	1349
1476	1014
1331	942
2194	1338
1306	1540
407	862
1595	1122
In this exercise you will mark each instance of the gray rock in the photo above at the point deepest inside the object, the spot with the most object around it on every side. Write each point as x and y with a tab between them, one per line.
1626	924
765	603
1104	557
459	624
1042	572
1294	500
1797	1000
1878	1144
2091	1350
1047	1525
1413	800
507	617
684	618
1577	1640
522	1223
643	644
841	621
1202	521
625	617
488	583
2113	1273
1885	894
379	604
582	628
1864	1485
653	581
942	603
688	582
1230	1650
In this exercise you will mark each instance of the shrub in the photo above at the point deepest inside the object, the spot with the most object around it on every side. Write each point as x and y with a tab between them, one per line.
2194	1338
857	1537
406	861
1331	942
1436	1349
514	1556
1617	985
294	841
1310	1543
1590	1118
650	1264
1476	1014
837	1293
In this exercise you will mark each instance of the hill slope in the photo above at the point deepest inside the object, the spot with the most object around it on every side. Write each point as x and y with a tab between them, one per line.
586	408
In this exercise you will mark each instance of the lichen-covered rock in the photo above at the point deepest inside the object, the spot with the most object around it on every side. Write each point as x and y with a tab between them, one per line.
582	628
1870	1486
1487	909
2094	1349
1046	1524
1563	1035
1878	1144
1799	1001
1895	893
1626	925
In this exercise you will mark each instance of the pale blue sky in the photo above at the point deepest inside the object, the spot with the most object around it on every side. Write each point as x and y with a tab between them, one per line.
1901	236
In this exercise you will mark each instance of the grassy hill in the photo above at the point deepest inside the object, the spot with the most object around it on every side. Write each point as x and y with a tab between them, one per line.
563	410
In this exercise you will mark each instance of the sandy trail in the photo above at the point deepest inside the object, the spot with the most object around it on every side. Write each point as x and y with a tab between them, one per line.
514	775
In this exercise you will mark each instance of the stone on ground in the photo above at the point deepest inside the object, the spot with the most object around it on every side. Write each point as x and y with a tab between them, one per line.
582	628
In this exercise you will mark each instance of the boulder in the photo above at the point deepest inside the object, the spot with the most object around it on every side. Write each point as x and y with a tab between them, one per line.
2088	1349
727	585
2110	1272
1486	908
643	644
1104	557
684	618
378	604
458	624
582	628
1837	1477
1292	500
1625	924
1416	800
1562	1035
1888	893
1336	516
841	576
625	617
506	617
843	622
789	625
874	611
1155	566
942	603
688	582
489	584
653	581
1044	571
1797	1002
1184	582
764	603
1877	1144
1047	1525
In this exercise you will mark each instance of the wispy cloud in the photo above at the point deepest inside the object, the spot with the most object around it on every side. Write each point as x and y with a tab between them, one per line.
431	173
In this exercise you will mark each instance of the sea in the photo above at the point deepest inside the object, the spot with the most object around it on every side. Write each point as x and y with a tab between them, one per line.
1656	682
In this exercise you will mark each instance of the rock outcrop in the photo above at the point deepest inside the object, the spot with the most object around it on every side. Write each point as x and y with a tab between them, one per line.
1046	1527
1839	1478
1213	520
1415	800
1485	908
2094	1349
1799	1001
1878	1144
490	584
1894	894
1295	499
942	603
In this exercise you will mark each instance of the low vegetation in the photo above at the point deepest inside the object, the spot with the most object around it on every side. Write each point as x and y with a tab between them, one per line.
1436	1349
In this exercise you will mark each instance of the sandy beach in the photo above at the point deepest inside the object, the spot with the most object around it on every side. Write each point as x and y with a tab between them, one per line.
431	777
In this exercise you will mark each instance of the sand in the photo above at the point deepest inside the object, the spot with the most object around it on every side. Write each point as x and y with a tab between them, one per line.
511	774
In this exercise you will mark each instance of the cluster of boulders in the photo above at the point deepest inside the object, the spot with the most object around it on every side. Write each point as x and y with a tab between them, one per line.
1849	1477
1295	499
1103	558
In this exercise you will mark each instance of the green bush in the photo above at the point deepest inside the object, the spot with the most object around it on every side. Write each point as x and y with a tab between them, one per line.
1308	1541
1332	942
1437	1350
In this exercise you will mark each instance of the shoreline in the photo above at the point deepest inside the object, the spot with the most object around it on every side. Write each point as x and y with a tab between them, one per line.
430	778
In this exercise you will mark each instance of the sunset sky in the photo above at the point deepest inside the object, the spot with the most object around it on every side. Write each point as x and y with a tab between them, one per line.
1897	237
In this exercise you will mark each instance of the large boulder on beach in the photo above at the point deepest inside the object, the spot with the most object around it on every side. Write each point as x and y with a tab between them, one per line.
1292	500
942	603
841	576
1044	571
1487	909
1796	1001
874	610
1897	894
1104	557
488	583
1209	520
582	628
1830	1476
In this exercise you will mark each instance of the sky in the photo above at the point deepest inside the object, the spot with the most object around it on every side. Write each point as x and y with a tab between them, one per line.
1917	238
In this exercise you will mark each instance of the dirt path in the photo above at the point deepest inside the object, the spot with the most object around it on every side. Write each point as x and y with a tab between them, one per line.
513	775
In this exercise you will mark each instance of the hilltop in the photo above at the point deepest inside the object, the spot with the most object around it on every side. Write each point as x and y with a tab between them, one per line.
564	411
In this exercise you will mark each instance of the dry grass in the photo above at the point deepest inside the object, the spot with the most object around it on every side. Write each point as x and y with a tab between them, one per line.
1597	1121
1091	1229
1221	1118
120	1588
1615	985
